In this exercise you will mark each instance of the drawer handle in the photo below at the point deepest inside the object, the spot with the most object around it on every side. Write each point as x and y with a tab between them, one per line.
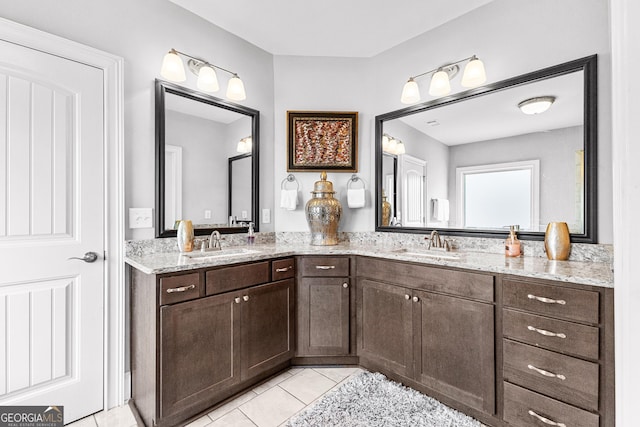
325	267
546	420
245	298
181	289
546	333
415	299
345	285
547	373
237	300
407	297
547	300
282	270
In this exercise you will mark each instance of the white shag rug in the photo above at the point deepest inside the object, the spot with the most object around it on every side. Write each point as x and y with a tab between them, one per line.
371	400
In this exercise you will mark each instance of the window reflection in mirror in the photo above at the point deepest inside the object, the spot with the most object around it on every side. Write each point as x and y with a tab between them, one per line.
451	141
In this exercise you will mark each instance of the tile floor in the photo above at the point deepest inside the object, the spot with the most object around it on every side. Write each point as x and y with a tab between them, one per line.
270	404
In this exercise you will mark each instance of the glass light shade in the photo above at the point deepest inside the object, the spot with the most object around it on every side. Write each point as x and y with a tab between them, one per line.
440	85
410	92
385	143
400	148
474	74
207	79
173	68
235	89
392	146
536	105
244	145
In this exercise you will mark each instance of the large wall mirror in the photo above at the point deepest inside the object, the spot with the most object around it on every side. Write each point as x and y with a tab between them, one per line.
472	164
206	162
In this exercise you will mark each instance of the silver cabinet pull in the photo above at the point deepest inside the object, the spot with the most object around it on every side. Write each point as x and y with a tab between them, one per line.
546	333
87	257
237	300
547	373
407	297
416	299
245	298
345	285
181	289
325	267
547	300
282	270
546	420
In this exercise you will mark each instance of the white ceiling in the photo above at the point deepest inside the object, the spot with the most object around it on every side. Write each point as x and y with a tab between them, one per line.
346	28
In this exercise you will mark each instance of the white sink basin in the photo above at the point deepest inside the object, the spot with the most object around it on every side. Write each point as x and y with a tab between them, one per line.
428	254
219	254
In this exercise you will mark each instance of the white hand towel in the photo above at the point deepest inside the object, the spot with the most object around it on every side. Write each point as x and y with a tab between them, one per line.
289	199
441	209
355	197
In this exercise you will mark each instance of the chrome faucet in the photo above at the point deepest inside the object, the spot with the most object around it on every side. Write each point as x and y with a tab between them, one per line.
214	240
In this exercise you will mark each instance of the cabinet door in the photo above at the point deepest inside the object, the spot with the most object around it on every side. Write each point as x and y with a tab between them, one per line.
385	327
323	316
199	346
267	327
454	348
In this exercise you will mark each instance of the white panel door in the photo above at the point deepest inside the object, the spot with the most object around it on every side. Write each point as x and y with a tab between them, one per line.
413	172
51	209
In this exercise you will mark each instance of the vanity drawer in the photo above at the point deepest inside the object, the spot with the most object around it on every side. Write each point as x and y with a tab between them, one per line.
237	277
179	288
552	334
317	266
526	408
453	282
282	269
567	378
558	301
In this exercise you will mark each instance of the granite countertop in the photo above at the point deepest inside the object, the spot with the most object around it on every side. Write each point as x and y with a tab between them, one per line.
587	273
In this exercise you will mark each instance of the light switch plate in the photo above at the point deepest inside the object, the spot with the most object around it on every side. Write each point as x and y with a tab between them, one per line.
266	216
140	217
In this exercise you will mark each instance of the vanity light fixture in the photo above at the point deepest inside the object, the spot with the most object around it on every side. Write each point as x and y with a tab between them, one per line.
244	145
392	145
473	75
173	70
536	105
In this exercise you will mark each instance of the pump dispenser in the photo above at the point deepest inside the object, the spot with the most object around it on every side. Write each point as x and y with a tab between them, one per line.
512	244
251	235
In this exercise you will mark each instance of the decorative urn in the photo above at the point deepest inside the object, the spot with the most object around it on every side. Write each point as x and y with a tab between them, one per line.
386	210
323	213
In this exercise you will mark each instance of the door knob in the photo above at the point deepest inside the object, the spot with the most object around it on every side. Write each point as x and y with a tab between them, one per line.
88	257
246	298
407	297
416	299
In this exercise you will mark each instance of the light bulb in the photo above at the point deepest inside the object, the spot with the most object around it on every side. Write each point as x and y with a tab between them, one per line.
474	74
207	79
172	67
235	89
440	85
410	92
400	148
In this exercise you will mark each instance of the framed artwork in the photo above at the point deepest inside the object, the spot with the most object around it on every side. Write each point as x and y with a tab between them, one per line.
322	140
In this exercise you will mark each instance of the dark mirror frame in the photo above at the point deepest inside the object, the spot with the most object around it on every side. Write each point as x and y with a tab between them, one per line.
589	67
230	187
162	88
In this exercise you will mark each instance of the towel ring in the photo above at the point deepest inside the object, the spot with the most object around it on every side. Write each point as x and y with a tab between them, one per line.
289	178
355	178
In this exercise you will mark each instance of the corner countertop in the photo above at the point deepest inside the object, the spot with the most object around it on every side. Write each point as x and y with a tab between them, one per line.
586	273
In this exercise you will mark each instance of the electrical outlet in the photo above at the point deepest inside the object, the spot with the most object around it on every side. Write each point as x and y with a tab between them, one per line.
266	216
140	217
244	215
207	214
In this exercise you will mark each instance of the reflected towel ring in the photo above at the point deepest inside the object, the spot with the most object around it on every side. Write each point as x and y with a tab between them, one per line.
289	178
355	178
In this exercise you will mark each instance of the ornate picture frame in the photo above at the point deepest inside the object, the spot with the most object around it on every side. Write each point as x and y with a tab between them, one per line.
322	140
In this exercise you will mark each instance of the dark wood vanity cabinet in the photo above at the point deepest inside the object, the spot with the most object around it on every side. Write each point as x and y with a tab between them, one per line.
200	337
324	308
445	343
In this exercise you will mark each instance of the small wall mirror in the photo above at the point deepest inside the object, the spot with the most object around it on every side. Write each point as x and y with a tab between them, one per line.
206	162
473	163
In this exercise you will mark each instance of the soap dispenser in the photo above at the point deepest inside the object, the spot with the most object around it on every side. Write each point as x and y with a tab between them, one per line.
512	244
251	235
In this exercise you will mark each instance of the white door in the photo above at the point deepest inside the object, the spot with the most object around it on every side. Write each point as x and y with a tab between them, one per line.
414	174
51	209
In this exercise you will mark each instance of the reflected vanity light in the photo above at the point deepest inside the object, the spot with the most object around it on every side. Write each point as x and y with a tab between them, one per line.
244	145
173	70
536	105
474	75
392	145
